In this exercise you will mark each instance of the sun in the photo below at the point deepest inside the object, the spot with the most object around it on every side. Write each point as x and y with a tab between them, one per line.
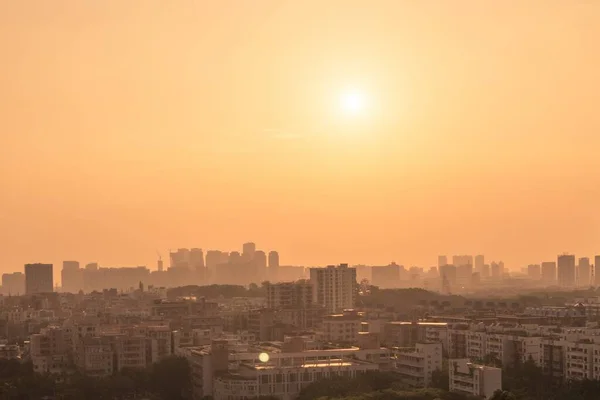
352	102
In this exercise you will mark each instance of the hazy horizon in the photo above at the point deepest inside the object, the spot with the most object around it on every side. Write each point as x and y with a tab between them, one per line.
132	127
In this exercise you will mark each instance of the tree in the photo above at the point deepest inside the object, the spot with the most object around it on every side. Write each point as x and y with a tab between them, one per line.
440	379
503	395
171	378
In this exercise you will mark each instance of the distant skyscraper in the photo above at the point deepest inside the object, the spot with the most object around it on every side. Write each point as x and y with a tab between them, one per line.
387	277
479	263
442	260
534	272
159	265
38	278
334	288
260	258
597	271
497	270
485	271
180	258
196	258
273	259
213	258
260	263
13	284
248	250
71	277
566	270
549	272
235	258
448	277
584	272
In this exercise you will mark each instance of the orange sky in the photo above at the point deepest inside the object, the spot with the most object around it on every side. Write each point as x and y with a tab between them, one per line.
131	126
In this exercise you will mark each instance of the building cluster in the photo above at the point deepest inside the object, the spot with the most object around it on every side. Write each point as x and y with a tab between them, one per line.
187	267
300	332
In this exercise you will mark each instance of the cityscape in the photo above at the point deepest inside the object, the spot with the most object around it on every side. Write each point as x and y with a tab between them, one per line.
299	200
460	274
246	327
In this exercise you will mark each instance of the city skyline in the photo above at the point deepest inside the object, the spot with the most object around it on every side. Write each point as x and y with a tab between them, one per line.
131	127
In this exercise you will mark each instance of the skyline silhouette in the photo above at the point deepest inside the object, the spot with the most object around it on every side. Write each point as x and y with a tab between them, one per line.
332	132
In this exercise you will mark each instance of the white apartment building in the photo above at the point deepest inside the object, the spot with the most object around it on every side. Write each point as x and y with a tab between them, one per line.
474	379
416	365
334	287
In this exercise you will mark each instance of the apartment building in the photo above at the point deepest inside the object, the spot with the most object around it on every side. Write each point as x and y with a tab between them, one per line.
334	287
407	334
297	294
49	351
474	379
342	328
94	356
416	365
129	352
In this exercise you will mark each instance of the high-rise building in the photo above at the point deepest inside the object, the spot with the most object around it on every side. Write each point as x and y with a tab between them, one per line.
549	272
180	258
597	271
261	259
485	271
235	258
248	250
584	272
334	287
442	260
273	259
196	259
566	270
13	284
71	277
479	263
213	258
462	260
297	294
464	275
534	272
448	277
497	270
387	277
38	278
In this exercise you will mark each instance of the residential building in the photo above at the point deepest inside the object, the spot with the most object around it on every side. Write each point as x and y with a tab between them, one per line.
297	294
38	279
566	270
334	287
342	328
474	379
584	272
416	365
549	273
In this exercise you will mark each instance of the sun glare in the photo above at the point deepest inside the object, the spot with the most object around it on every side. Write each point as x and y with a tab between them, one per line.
352	102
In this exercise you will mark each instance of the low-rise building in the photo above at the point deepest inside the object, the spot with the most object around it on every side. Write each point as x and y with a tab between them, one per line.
342	328
474	379
416	365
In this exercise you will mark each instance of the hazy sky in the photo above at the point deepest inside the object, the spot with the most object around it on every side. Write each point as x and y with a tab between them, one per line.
132	126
